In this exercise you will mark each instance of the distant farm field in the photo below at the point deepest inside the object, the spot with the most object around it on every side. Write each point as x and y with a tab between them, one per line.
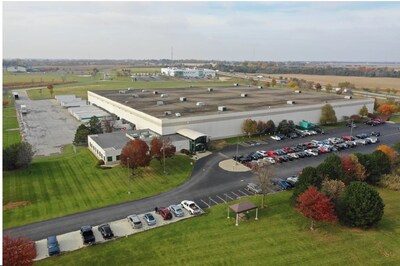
360	82
281	236
69	183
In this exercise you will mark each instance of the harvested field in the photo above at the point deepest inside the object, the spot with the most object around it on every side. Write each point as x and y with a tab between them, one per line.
13	205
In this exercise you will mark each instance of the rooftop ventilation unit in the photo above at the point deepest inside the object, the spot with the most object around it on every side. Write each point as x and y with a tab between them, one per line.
155	92
178	114
144	90
166	113
210	89
160	103
243	95
135	95
130	89
290	102
260	87
200	104
182	99
164	95
221	108
348	97
122	91
235	84
297	91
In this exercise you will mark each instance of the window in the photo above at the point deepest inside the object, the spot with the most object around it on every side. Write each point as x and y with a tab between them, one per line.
118	157
109	158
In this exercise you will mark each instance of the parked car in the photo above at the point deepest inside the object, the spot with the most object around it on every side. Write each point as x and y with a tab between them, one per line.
87	235
293	155
373	139
176	210
293	178
319	130
270	153
106	231
134	220
351	143
371	123
361	141
375	133
282	184
347	138
293	135
311	152
52	246
149	219
191	207
362	136
253	188
269	160
165	213
276	138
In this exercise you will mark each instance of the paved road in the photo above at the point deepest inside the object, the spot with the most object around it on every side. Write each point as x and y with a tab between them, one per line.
208	185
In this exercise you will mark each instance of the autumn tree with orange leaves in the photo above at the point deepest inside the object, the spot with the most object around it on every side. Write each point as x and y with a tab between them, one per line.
18	251
161	147
354	169
387	109
390	153
316	206
135	154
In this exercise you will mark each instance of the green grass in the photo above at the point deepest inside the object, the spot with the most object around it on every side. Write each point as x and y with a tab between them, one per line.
10	121
69	183
280	237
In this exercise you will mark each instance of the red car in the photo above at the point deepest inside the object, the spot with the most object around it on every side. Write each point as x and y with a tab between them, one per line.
347	138
165	213
270	153
288	149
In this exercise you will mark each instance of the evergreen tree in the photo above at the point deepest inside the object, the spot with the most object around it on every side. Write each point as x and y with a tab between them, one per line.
81	135
95	126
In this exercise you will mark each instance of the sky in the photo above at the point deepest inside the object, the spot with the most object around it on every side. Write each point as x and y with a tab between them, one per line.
237	31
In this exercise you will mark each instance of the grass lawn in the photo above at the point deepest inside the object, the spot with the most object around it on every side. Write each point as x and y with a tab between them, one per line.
69	183
280	237
10	123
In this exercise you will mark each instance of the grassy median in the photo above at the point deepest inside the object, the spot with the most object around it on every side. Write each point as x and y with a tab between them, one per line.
280	237
69	183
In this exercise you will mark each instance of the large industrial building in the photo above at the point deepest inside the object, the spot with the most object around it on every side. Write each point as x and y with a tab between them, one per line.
188	72
199	113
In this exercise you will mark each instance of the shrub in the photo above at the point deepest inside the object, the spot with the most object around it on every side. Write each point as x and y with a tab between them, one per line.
18	155
360	206
186	152
307	178
391	181
18	251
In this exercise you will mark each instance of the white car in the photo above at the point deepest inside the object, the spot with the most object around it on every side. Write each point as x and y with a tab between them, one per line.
276	138
261	153
373	139
361	141
293	155
311	152
251	187
191	207
269	160
293	178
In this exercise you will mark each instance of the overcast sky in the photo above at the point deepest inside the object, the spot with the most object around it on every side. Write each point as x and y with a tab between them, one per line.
272	31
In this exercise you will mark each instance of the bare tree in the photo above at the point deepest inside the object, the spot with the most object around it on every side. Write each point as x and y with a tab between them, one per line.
264	172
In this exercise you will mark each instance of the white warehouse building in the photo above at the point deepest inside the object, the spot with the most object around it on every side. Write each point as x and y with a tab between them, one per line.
188	72
201	114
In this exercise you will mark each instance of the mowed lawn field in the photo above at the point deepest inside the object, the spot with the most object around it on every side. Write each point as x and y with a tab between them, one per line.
281	236
359	82
11	132
69	183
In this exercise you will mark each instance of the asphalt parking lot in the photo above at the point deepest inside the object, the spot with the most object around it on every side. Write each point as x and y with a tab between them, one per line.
47	126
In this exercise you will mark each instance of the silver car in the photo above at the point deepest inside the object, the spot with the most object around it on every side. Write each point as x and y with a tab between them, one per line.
176	210
253	188
134	220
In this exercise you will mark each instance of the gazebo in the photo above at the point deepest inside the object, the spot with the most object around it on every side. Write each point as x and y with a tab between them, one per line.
242	207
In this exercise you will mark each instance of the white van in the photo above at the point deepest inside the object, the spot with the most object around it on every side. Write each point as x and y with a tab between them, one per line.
24	110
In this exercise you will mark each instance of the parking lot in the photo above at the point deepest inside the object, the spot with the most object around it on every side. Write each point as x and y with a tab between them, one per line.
121	228
47	126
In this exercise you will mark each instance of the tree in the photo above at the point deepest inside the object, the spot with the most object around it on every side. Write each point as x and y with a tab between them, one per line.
161	147
390	153
318	87
360	206
17	155
387	109
328	87
292	84
81	134
283	127
261	127
363	111
315	206
273	82
95	126
108	127
135	154
331	168
50	88
270	127
292	127
249	127
307	178
267	84
354	169
333	188
264	174
18	251
94	72
328	115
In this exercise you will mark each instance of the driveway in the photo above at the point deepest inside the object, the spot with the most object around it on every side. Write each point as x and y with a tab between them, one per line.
47	126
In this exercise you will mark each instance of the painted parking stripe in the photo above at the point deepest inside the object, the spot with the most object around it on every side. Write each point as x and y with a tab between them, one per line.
228	196
221	198
213	200
223	155
205	203
235	194
243	193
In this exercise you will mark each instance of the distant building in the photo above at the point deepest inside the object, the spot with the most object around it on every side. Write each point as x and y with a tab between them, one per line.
188	72
16	69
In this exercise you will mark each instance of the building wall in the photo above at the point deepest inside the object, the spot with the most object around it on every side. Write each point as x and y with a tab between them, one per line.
188	72
140	119
96	149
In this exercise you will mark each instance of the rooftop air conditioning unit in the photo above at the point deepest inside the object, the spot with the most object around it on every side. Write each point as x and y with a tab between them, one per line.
155	92
122	91
178	114
297	91
144	90
210	89
135	95
130	89
235	84
243	95
260	87
200	104
160	103
221	108
182	99
164	95
290	102
166	113
348	97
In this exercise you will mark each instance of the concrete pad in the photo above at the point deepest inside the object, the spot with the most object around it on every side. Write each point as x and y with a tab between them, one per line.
233	166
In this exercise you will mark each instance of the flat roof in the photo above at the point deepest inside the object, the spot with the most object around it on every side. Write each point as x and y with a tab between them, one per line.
145	100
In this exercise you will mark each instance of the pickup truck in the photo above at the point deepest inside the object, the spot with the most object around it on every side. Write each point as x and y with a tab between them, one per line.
191	207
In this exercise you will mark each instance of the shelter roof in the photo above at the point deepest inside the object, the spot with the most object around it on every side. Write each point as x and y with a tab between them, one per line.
243	207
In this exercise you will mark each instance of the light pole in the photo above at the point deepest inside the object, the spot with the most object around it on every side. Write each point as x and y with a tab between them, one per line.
129	178
351	127
237	150
163	149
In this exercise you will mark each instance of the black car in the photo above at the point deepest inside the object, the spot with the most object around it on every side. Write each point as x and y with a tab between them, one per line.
375	133
319	130
106	231
87	235
371	123
293	135
362	136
